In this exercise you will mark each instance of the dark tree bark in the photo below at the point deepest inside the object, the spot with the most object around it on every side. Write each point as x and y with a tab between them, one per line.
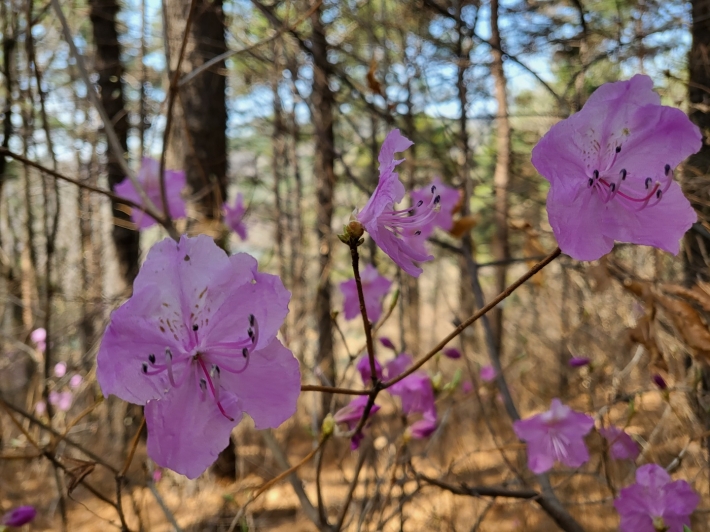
198	139
697	180
108	65
500	248
322	103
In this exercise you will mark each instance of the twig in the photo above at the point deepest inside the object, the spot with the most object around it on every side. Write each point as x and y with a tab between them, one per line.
353	244
351	490
332	389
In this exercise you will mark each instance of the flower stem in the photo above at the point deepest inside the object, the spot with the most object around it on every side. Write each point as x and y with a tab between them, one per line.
353	243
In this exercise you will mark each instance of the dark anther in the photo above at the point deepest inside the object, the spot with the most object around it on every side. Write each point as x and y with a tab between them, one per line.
151	357
623	174
203	384
420	203
596	174
417	233
145	367
216	369
433	189
612	187
252	319
618	149
168	353
648	182
245	352
667	169
411	212
437	200
250	333
659	193
591	181
195	327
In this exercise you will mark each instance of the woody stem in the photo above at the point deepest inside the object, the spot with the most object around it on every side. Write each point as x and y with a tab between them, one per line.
353	243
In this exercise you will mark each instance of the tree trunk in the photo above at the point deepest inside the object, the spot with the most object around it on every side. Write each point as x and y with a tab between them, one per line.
322	103
108	65
198	136
697	179
501	250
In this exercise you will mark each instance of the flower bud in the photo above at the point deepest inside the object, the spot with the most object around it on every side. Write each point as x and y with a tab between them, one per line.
19	516
328	425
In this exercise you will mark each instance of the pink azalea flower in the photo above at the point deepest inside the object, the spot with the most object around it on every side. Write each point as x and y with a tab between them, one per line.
351	414
467	387
41	407
60	369
363	366
397	365
425	427
449	199
386	342
19	516
374	289
233	216
656	503
488	374
555	436
39	338
621	445
75	381
175	182
610	168
196	344
62	400
397	232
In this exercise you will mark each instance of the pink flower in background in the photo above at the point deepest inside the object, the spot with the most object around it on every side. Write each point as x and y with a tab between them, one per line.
621	445
75	381
196	344
444	219
425	427
374	289
363	366
397	232
351	414
19	516
62	400
610	168
452	353
555	436
397	366
467	387
233	216
148	177
60	369
655	503
39	338
488	373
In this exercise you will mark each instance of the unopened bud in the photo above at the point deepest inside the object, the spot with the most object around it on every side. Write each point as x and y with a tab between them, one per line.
328	426
355	229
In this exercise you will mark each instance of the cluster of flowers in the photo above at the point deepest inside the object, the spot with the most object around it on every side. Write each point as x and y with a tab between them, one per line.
175	182
415	391
196	343
61	396
653	503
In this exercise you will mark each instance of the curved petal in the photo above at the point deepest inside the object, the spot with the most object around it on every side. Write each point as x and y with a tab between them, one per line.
632	507
268	390
661	226
402	254
395	142
186	433
576	222
351	301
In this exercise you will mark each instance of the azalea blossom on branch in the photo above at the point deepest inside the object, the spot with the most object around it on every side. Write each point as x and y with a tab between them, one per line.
654	503
555	436
398	232
610	168
149	178
374	289
196	344
234	214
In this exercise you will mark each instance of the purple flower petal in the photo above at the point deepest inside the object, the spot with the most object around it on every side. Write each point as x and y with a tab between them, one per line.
233	216
622	446
148	177
452	353
19	516
386	342
488	374
655	500
449	199
363	366
555	435
374	289
610	168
